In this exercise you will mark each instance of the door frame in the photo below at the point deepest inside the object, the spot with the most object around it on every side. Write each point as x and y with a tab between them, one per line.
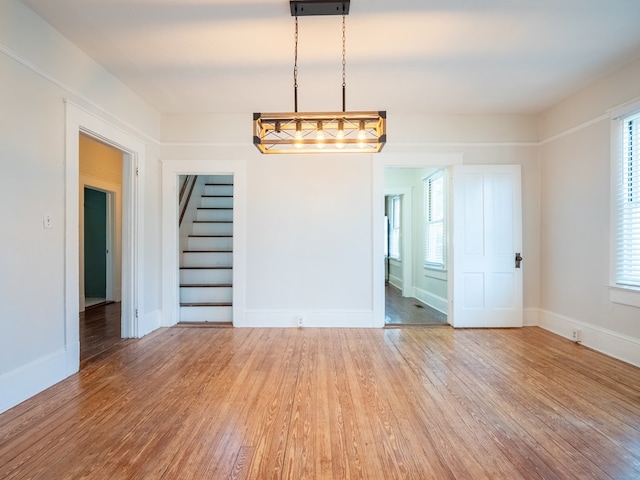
79	120
384	160
171	171
109	242
406	236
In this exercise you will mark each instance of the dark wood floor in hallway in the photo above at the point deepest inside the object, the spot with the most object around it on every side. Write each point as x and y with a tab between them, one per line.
411	403
100	330
406	311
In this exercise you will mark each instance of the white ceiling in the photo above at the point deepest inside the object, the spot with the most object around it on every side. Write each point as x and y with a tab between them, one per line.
403	56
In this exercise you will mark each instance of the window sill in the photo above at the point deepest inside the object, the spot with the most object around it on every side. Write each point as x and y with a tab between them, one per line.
624	295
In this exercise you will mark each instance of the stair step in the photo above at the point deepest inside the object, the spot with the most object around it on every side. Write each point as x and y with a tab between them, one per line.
218	189
206	275
207	258
213	228
215	214
205	285
206	313
216	201
210	243
206	304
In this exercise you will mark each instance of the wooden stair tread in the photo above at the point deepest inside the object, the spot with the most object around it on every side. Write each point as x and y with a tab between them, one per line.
218	184
207	251
206	304
210	267
211	236
213	221
216	196
206	285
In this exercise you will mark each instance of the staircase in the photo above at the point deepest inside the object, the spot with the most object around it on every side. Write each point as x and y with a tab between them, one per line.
206	264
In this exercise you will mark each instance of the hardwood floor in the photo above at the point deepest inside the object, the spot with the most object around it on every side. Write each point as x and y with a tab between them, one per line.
433	403
100	330
401	310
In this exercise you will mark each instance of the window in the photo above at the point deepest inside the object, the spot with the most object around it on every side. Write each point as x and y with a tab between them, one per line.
394	227
434	208
627	225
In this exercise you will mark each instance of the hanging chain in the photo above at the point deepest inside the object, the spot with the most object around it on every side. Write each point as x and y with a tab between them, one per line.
344	62
295	69
344	52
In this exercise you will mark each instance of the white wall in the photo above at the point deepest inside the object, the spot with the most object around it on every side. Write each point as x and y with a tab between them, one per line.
575	174
39	69
311	242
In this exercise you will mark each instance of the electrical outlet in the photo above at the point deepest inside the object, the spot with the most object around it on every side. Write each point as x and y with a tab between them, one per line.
300	320
575	335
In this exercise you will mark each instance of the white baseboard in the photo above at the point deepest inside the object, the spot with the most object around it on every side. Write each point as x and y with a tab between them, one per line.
606	341
149	322
310	318
434	301
396	282
27	380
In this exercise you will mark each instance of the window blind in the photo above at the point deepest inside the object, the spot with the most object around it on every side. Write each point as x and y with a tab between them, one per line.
628	204
434	220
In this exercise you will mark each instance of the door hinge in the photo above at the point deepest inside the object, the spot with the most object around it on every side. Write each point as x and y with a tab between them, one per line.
136	313
137	171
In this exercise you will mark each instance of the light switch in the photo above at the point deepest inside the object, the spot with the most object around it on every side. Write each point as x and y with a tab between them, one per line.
46	220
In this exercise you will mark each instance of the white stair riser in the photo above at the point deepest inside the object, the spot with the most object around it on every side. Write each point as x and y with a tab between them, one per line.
206	314
213	229
215	215
207	259
210	243
206	294
206	276
218	190
219	202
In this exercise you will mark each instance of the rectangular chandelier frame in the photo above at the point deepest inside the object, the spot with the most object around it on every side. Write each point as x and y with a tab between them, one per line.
328	132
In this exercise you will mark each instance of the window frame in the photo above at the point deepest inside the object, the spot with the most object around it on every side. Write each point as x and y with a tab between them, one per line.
620	292
395	217
428	221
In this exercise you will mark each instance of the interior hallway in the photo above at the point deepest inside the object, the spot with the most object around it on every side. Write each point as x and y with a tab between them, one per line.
401	310
100	330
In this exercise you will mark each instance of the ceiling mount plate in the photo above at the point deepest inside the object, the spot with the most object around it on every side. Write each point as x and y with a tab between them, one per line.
301	8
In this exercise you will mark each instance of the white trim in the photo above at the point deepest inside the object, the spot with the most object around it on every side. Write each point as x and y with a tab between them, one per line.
76	93
624	296
627	108
310	318
434	301
613	344
171	169
406	237
574	129
79	120
383	160
23	382
149	322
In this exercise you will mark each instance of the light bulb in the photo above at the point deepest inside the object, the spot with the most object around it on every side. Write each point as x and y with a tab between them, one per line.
320	136
297	137
340	134
362	134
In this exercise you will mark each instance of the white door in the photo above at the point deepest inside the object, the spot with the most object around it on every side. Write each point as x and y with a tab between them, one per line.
487	237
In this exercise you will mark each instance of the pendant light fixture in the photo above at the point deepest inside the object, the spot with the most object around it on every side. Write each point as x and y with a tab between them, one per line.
320	132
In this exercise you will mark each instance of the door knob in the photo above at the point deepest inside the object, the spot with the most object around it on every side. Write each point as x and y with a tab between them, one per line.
518	260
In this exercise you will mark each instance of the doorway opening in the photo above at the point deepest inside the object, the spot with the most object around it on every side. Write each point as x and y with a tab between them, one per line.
100	247
416	277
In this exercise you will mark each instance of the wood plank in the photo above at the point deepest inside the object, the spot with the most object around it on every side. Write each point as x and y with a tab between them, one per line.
414	403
